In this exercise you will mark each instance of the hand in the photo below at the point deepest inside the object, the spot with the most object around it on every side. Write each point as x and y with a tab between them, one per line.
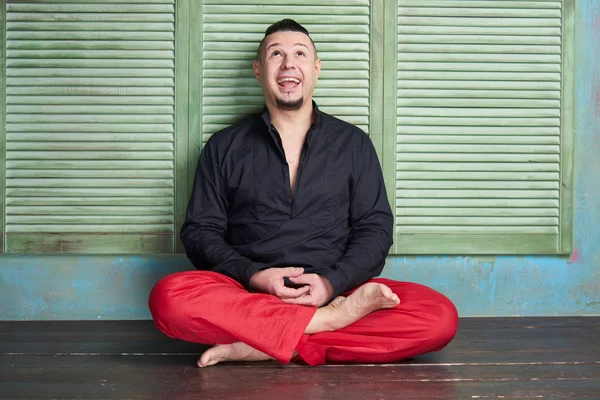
319	293
271	281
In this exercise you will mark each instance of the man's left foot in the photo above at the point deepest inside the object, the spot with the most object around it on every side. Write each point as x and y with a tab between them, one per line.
238	351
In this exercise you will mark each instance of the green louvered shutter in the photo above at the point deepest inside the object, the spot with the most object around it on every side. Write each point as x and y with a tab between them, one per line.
232	30
90	127
483	103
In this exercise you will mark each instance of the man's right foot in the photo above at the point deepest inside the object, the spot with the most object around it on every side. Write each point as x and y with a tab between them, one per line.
343	311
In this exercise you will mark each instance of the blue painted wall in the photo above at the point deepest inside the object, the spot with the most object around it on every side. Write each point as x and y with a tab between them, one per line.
95	287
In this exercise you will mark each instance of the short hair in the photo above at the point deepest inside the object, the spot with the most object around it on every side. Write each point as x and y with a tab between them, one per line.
285	25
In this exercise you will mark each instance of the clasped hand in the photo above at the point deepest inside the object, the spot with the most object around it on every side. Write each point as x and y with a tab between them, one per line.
316	292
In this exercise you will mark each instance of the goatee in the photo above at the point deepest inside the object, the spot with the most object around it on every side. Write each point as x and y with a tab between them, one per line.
291	105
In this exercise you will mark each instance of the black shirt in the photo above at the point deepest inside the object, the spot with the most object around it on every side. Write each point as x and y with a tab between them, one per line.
242	217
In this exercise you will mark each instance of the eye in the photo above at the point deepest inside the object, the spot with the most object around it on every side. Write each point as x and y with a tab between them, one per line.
300	53
275	53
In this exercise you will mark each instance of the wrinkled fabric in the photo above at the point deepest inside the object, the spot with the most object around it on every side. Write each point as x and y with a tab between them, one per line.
242	217
210	308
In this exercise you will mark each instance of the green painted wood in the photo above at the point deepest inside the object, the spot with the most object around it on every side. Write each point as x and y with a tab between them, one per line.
376	79
476	243
85	226
196	88
474	204
473	193
390	98
182	187
82	164
91	25
76	203
2	124
336	28
91	135
567	134
479	184
86	35
476	212
93	173
23	243
88	8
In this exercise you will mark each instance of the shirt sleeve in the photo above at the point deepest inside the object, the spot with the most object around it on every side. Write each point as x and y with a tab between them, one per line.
371	222
204	230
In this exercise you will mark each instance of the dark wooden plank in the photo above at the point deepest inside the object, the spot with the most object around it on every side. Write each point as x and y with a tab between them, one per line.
126	369
202	385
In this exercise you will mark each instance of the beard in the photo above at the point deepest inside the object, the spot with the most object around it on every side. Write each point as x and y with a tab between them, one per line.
289	105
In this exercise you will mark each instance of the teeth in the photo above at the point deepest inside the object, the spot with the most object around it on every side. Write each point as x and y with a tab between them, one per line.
288	80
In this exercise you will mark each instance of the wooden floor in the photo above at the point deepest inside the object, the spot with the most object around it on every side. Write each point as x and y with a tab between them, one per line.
491	358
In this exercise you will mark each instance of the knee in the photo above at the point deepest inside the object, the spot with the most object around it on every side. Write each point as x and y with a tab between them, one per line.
166	303
444	325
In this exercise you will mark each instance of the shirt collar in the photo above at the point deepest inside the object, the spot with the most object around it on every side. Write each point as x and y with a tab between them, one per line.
317	119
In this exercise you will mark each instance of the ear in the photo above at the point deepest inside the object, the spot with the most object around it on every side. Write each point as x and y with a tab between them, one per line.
256	68
318	67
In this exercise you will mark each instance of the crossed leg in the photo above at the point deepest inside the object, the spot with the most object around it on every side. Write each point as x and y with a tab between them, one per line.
368	325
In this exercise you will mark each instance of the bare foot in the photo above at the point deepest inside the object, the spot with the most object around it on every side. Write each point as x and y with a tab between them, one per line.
238	351
343	311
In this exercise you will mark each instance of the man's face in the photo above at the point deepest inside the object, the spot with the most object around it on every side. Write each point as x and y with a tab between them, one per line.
288	70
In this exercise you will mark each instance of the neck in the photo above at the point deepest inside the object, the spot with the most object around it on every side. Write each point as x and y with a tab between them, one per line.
292	122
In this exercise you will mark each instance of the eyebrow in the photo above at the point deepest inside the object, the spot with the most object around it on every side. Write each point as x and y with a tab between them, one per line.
277	44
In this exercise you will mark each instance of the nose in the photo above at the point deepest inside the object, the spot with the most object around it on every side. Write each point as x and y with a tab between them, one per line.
288	62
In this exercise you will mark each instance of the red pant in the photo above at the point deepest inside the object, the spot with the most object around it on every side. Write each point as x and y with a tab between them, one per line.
210	308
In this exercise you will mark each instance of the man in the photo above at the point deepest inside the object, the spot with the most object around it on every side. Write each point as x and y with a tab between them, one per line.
288	223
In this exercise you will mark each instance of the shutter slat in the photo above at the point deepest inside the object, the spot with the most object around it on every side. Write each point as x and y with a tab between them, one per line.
92	25
484	230
555	4
57	220
469	184
93	173
89	100
457	166
478	30
479	157
96	127
91	91
478	139
92	192
73	164
481	85
89	155
83	227
477	212
88	8
464	66
141	203
90	124
460	20
85	137
461	94
89	146
89	35
485	194
474	204
91	210
483	39
90	65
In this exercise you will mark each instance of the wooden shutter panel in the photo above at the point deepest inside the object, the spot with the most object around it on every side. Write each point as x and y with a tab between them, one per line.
479	97
232	31
90	127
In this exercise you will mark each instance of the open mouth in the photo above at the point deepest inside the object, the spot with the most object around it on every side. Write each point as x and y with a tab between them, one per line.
288	83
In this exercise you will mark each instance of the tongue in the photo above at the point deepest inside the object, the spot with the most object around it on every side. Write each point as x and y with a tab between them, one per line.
288	84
